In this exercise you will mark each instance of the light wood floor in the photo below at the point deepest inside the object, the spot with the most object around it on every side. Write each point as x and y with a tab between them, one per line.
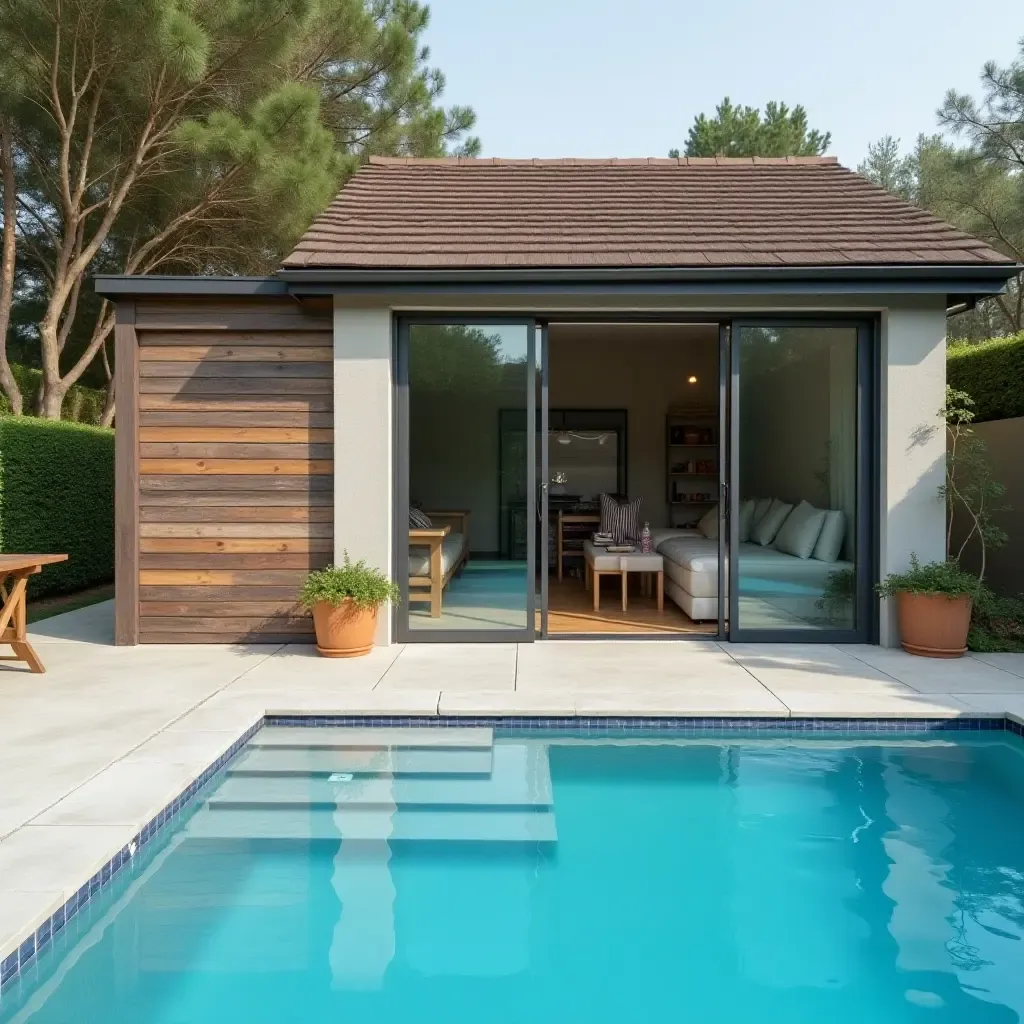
571	610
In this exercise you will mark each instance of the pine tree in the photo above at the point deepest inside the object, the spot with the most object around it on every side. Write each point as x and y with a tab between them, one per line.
742	131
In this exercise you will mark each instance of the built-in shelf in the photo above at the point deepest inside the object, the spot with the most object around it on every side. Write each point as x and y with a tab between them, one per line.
697	421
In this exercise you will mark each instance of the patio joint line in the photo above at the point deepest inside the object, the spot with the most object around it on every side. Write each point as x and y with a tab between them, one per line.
388	669
142	743
888	675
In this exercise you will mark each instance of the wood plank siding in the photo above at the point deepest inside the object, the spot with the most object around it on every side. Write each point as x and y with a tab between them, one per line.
231	468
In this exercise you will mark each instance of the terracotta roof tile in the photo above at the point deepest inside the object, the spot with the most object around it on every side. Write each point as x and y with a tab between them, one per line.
399	212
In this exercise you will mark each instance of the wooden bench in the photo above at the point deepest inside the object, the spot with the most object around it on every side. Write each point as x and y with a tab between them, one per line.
14	573
430	587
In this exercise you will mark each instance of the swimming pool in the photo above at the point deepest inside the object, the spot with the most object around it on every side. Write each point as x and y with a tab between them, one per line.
463	875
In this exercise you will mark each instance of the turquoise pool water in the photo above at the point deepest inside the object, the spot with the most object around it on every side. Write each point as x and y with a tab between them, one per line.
554	879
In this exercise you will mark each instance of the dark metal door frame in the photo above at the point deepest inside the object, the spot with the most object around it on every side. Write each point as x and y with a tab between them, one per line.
400	622
867	487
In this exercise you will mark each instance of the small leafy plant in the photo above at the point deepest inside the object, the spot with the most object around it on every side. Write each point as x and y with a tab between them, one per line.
366	587
932	578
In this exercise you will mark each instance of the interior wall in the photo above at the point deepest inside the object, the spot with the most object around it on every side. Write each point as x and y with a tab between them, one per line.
644	369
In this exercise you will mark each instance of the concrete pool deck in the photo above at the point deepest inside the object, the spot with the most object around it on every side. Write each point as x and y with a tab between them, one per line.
93	749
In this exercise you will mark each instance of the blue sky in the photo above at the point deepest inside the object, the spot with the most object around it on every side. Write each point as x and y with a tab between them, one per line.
625	78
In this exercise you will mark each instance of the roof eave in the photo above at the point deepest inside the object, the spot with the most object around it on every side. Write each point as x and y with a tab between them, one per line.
115	286
970	278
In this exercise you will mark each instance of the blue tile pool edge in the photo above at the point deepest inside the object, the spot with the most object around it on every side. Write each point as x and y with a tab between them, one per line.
15	963
12	966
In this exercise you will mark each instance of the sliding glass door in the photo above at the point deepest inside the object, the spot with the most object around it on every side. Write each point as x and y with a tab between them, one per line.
465	533
800	514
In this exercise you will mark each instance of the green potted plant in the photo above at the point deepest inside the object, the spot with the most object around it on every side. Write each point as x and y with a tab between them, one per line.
344	600
933	606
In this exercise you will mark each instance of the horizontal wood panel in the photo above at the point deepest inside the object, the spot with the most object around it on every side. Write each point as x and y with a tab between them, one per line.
152	636
233	450
316	337
238	467
237	371
237	434
234	545
221	609
209	594
221	577
196	387
235	458
298	485
203	561
236	405
230	512
212	624
256	419
237	353
266	531
272	501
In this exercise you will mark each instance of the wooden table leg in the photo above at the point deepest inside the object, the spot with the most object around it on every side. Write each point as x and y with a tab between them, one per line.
625	583
13	628
661	590
595	579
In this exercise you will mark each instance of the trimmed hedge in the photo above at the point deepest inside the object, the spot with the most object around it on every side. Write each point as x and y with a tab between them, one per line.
992	373
57	495
81	404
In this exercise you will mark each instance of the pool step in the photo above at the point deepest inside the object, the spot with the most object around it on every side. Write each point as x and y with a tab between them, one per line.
519	777
367	825
294	761
364	738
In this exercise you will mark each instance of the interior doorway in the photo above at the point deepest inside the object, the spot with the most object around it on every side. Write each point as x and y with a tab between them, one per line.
633	414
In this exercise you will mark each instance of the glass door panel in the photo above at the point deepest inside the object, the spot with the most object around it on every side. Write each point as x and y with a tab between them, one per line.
797	563
468	489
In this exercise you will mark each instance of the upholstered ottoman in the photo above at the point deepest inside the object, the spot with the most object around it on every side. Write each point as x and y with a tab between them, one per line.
600	562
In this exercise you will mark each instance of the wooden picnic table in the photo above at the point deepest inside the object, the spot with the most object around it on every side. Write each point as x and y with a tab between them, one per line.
14	573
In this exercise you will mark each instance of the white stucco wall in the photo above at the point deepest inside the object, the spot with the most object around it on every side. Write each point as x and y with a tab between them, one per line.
913	444
363	390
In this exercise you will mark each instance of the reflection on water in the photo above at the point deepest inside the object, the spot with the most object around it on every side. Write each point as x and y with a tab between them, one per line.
840	880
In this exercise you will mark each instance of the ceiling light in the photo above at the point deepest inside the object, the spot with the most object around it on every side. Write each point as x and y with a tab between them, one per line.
691	379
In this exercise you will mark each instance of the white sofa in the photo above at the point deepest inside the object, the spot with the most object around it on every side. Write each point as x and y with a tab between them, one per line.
792	585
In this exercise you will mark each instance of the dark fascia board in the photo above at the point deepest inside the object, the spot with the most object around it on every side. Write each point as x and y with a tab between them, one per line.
969	279
114	286
965	280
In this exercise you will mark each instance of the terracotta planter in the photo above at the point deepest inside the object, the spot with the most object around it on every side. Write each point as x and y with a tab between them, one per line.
933	625
344	631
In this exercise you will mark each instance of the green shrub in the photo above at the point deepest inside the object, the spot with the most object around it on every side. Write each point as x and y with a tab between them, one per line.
81	404
932	578
368	588
997	623
992	373
57	495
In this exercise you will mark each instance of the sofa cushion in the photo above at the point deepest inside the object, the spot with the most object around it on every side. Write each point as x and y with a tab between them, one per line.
708	524
746	518
452	547
764	530
799	533
761	506
830	540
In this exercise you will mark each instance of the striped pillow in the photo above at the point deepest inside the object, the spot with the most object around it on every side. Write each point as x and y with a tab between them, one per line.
419	520
620	518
